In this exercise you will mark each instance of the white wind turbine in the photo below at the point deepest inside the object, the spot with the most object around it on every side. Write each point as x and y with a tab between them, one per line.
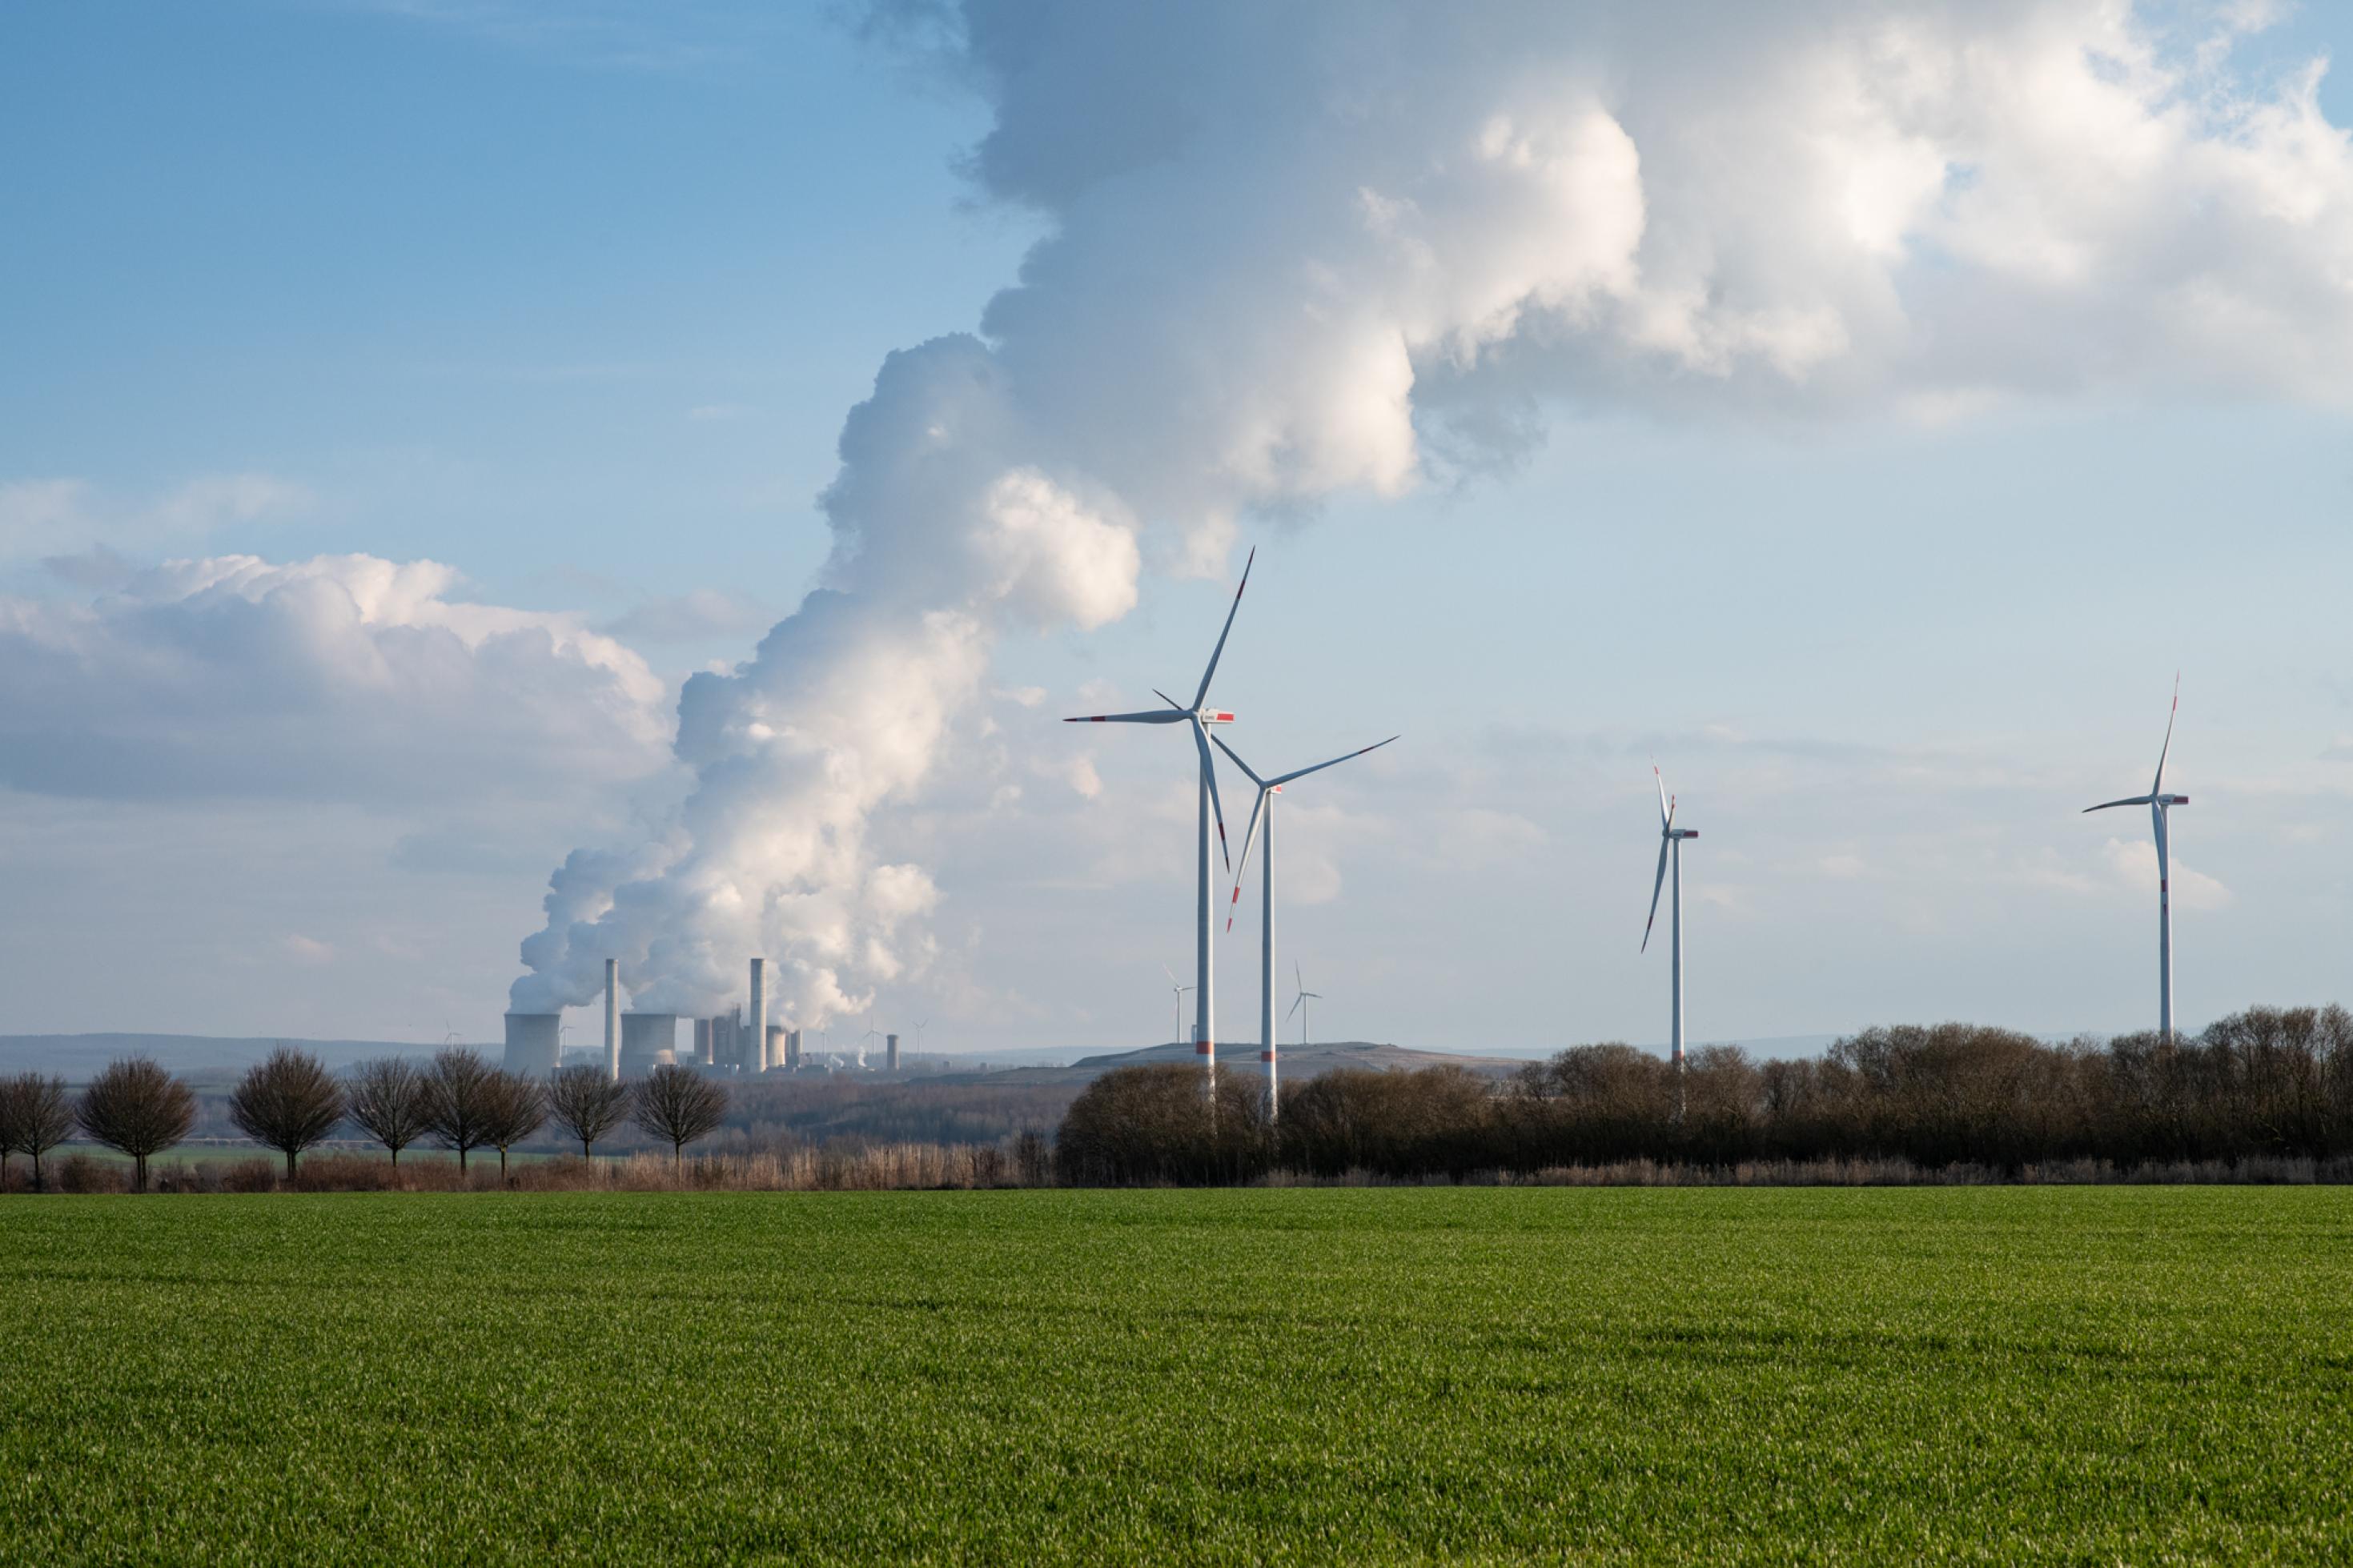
1300	1002
1179	993
1261	821
1199	717
1670	848
2159	804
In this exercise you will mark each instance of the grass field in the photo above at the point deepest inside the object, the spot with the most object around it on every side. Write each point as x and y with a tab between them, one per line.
1997	1375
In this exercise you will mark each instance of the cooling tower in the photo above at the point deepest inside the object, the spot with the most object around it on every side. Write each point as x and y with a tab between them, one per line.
891	1050
535	1042
780	1049
649	1040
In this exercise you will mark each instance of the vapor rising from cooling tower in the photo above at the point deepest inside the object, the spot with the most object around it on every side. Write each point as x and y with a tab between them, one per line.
1303	249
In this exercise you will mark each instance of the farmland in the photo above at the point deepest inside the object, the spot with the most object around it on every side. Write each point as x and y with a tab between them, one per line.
1974	1374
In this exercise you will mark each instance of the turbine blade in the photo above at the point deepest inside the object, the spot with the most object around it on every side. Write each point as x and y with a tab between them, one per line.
1209	776
2158	786
1250	837
1666	812
1220	741
1170	972
1296	974
1296	1002
1319	767
2133	800
1661	883
1160	717
1219	652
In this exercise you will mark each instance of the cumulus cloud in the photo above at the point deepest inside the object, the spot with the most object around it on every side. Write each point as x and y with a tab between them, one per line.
685	617
341	677
1303	249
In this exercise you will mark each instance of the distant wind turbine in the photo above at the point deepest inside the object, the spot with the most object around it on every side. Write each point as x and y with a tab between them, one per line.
1199	716
1178	1037
1262	824
1670	848
1300	1002
2159	804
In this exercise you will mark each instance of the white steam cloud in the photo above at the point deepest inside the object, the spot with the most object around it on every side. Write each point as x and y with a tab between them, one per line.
1307	248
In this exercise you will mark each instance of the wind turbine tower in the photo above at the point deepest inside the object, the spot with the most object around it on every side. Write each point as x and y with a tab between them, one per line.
1670	852
1262	825
2159	804
1199	716
1299	1007
1180	992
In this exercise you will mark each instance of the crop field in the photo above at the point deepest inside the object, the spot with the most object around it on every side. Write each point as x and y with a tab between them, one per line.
1989	1374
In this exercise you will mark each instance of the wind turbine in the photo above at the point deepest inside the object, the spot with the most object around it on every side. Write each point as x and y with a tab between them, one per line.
1304	996
1671	847
1199	716
1261	820
919	1038
1180	991
2159	804
872	1032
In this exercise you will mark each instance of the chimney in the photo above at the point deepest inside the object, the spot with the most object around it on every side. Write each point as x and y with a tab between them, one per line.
702	1048
755	1049
792	1050
890	1048
613	1020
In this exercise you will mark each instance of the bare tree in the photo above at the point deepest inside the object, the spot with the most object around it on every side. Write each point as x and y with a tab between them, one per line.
517	1106
677	1105
137	1108
287	1102
44	1117
12	1115
458	1101
391	1099
586	1104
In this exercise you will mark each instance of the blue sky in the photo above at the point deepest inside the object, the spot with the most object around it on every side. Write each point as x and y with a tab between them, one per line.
574	301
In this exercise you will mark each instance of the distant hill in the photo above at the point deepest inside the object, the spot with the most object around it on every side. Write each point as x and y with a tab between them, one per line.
198	1056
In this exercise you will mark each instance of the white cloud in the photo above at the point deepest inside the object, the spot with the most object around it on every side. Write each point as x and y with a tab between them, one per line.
2131	863
68	516
341	677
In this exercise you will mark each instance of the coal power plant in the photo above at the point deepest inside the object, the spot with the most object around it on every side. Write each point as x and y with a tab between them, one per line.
738	1043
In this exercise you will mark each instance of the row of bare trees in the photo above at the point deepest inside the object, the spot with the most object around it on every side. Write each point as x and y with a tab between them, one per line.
2265	1084
290	1103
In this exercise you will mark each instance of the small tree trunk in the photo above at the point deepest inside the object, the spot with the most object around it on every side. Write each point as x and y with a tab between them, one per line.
395	1156
461	1159
139	1167
502	1162
585	1155
36	1173
289	1165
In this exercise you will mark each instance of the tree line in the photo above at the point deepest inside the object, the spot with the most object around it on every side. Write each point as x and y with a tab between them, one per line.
290	1103
2265	1083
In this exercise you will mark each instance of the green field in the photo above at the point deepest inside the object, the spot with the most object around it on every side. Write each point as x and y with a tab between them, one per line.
1997	1375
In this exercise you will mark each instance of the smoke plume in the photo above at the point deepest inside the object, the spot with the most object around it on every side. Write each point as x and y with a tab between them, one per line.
1303	249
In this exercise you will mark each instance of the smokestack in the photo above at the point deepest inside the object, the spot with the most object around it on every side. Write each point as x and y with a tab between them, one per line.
702	1043
613	1019
792	1050
891	1050
755	1049
534	1041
